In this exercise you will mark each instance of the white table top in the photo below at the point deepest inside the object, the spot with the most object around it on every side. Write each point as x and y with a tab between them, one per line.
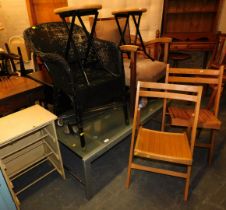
20	123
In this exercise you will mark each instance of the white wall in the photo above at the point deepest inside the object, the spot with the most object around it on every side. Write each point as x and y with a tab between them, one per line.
13	17
150	21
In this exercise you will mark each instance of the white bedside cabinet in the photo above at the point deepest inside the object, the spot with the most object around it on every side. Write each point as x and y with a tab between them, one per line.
27	139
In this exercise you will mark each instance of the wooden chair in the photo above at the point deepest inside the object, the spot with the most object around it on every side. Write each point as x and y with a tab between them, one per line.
208	116
136	66
217	59
166	147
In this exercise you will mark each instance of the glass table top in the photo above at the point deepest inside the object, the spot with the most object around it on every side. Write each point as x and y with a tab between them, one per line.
103	131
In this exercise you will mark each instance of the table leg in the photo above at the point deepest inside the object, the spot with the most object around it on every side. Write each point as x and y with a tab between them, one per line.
87	179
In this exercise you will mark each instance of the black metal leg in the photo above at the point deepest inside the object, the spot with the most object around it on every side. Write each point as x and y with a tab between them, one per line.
122	32
79	125
81	135
89	36
70	32
137	25
70	41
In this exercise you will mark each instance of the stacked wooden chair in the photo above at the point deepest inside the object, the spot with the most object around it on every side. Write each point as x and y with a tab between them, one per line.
208	116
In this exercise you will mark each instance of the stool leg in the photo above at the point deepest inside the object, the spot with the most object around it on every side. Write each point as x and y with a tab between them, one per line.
137	25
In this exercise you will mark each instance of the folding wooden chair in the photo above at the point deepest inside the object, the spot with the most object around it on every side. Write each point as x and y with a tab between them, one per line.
167	147
208	116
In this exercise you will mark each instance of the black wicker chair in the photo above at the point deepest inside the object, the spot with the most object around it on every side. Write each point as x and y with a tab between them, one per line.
92	82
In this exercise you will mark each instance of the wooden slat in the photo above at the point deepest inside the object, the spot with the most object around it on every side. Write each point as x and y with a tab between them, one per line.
189	71
165	86
159	171
168	95
197	80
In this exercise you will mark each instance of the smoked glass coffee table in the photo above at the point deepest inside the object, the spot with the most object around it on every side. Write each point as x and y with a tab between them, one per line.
102	133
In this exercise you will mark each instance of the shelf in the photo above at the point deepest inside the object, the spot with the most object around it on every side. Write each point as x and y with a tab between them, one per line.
28	167
18	149
190	16
192	5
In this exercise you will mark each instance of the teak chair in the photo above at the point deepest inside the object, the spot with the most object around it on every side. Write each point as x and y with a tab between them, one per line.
169	147
208	116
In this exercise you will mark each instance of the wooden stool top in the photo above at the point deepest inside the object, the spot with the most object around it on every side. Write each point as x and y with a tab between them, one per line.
83	8
129	11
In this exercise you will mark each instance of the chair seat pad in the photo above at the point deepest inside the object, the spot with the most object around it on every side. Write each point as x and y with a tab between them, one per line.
165	146
182	117
147	70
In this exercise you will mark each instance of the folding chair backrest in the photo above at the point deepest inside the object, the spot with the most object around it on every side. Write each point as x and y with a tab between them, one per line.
197	77
169	91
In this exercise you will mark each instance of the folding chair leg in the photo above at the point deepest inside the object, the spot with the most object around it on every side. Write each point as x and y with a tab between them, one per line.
212	145
187	183
128	176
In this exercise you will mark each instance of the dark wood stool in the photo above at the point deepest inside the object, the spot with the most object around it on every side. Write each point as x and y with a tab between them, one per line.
136	14
78	12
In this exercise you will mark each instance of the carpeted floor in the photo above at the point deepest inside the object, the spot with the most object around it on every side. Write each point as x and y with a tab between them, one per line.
147	191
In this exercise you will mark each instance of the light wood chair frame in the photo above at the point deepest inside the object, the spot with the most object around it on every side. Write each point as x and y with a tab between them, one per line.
164	91
199	77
